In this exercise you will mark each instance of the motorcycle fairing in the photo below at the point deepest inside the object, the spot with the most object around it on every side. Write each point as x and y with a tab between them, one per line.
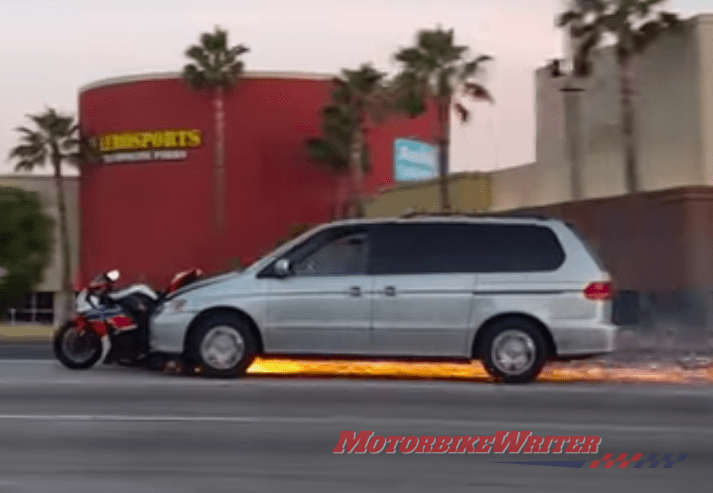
95	324
134	289
122	323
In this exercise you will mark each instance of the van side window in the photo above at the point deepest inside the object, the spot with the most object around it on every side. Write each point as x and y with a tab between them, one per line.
340	250
342	256
423	248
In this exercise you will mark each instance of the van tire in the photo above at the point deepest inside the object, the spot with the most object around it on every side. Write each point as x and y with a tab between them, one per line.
521	339
202	347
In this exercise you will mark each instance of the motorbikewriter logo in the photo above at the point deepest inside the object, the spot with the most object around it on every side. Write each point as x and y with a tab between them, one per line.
512	442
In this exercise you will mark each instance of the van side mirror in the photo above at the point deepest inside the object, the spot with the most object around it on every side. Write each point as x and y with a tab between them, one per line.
283	268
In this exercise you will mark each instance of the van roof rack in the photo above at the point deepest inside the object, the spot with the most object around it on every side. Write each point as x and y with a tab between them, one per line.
515	214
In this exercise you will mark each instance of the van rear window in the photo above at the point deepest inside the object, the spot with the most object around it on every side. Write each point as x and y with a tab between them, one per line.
588	246
466	247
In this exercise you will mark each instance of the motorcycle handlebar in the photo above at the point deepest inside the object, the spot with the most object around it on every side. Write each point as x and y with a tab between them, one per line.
100	291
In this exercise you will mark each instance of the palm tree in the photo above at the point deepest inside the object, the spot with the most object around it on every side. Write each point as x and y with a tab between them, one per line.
435	69
54	139
633	25
216	67
358	98
334	147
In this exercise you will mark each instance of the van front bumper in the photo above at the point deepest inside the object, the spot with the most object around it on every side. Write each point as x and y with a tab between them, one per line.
168	331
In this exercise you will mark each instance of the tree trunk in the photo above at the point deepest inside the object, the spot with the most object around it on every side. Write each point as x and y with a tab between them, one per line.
628	125
443	141
67	285
219	160
357	170
342	198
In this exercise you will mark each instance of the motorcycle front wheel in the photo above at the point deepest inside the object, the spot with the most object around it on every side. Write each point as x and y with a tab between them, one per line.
75	350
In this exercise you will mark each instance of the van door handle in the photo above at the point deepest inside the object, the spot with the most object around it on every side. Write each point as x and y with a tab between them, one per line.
355	291
390	291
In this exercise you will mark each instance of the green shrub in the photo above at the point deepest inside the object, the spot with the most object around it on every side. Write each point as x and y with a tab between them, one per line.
26	241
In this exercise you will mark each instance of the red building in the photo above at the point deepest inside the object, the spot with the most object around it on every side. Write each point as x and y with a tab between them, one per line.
147	206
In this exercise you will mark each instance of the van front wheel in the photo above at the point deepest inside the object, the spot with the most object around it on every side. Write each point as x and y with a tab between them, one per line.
222	345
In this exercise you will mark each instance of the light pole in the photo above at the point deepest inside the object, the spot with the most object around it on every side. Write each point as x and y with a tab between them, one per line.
572	122
572	126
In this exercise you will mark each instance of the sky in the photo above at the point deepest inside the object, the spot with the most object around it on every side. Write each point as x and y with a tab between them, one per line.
50	48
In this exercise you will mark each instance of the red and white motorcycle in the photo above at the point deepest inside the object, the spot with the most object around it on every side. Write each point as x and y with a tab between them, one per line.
112	326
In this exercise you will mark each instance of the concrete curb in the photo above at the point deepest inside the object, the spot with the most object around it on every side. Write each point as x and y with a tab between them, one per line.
26	334
7	341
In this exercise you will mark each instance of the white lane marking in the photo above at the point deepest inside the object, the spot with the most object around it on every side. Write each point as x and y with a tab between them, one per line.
505	425
141	380
26	361
453	385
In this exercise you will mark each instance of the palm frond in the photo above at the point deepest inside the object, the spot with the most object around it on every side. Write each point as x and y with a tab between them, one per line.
477	92
470	69
670	20
357	95
646	34
597	6
27	150
216	64
28	164
26	131
194	76
325	152
53	139
567	18
612	22
238	50
630	22
578	31
435	67
462	112
645	7
409	56
199	55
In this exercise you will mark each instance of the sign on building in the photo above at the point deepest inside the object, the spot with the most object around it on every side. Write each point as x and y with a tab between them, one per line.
153	145
414	160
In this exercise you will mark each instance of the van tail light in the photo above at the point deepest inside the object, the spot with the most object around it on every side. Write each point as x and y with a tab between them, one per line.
600	291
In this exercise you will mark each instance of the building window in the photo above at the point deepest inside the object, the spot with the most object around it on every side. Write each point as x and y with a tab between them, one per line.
37	308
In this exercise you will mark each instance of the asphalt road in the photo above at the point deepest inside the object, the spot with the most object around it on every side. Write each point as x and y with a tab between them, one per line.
26	350
120	429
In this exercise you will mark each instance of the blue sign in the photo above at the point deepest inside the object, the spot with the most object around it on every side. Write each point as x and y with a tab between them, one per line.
414	160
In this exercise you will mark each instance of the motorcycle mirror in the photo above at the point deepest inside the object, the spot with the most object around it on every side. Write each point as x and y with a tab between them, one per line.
113	275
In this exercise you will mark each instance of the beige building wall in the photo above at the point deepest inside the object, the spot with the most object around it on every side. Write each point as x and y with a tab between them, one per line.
514	186
669	111
551	178
705	45
468	192
44	186
674	120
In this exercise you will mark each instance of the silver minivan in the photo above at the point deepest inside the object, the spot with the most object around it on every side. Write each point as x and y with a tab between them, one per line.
513	292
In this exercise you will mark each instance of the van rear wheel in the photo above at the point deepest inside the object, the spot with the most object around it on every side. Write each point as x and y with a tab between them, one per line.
514	351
